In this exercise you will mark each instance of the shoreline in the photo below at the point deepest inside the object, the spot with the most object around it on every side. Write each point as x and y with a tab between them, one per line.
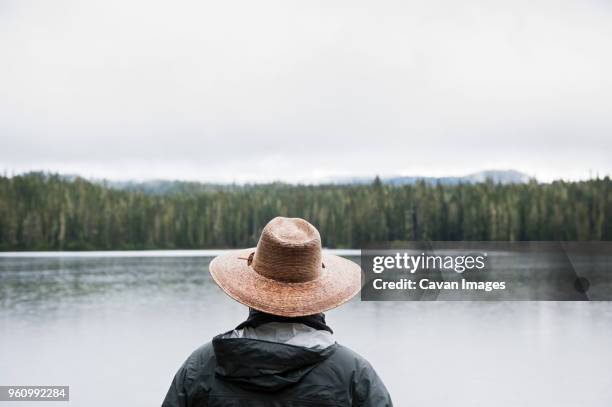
146	253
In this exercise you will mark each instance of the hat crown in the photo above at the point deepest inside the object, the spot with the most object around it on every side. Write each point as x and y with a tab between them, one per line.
289	250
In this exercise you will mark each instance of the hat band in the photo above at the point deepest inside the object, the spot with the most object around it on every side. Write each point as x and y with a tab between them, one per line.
282	272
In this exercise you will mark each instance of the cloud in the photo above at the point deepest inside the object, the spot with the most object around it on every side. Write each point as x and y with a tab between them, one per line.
245	90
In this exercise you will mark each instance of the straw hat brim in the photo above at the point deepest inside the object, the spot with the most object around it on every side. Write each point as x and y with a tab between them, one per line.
339	281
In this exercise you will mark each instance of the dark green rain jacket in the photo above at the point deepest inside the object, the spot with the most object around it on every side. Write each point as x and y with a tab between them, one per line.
251	373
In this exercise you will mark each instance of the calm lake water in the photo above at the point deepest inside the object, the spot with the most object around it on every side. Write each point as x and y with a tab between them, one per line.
116	328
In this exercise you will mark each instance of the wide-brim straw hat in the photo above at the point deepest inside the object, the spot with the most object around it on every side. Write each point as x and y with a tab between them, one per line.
287	274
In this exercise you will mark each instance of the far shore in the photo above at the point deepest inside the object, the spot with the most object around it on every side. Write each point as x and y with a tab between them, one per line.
147	253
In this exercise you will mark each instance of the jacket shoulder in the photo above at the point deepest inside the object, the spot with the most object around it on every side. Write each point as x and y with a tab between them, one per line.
365	386
349	358
200	363
199	367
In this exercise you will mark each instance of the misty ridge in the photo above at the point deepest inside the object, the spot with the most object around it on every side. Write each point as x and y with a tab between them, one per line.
40	211
161	186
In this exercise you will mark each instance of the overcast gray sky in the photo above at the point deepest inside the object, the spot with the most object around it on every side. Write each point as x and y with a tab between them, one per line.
261	90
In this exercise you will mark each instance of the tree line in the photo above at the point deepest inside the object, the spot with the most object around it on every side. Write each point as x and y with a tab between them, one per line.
40	211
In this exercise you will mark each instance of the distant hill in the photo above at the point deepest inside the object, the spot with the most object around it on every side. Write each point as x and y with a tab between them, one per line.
495	176
153	187
169	187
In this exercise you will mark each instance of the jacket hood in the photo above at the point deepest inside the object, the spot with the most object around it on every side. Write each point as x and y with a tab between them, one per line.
249	360
257	318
